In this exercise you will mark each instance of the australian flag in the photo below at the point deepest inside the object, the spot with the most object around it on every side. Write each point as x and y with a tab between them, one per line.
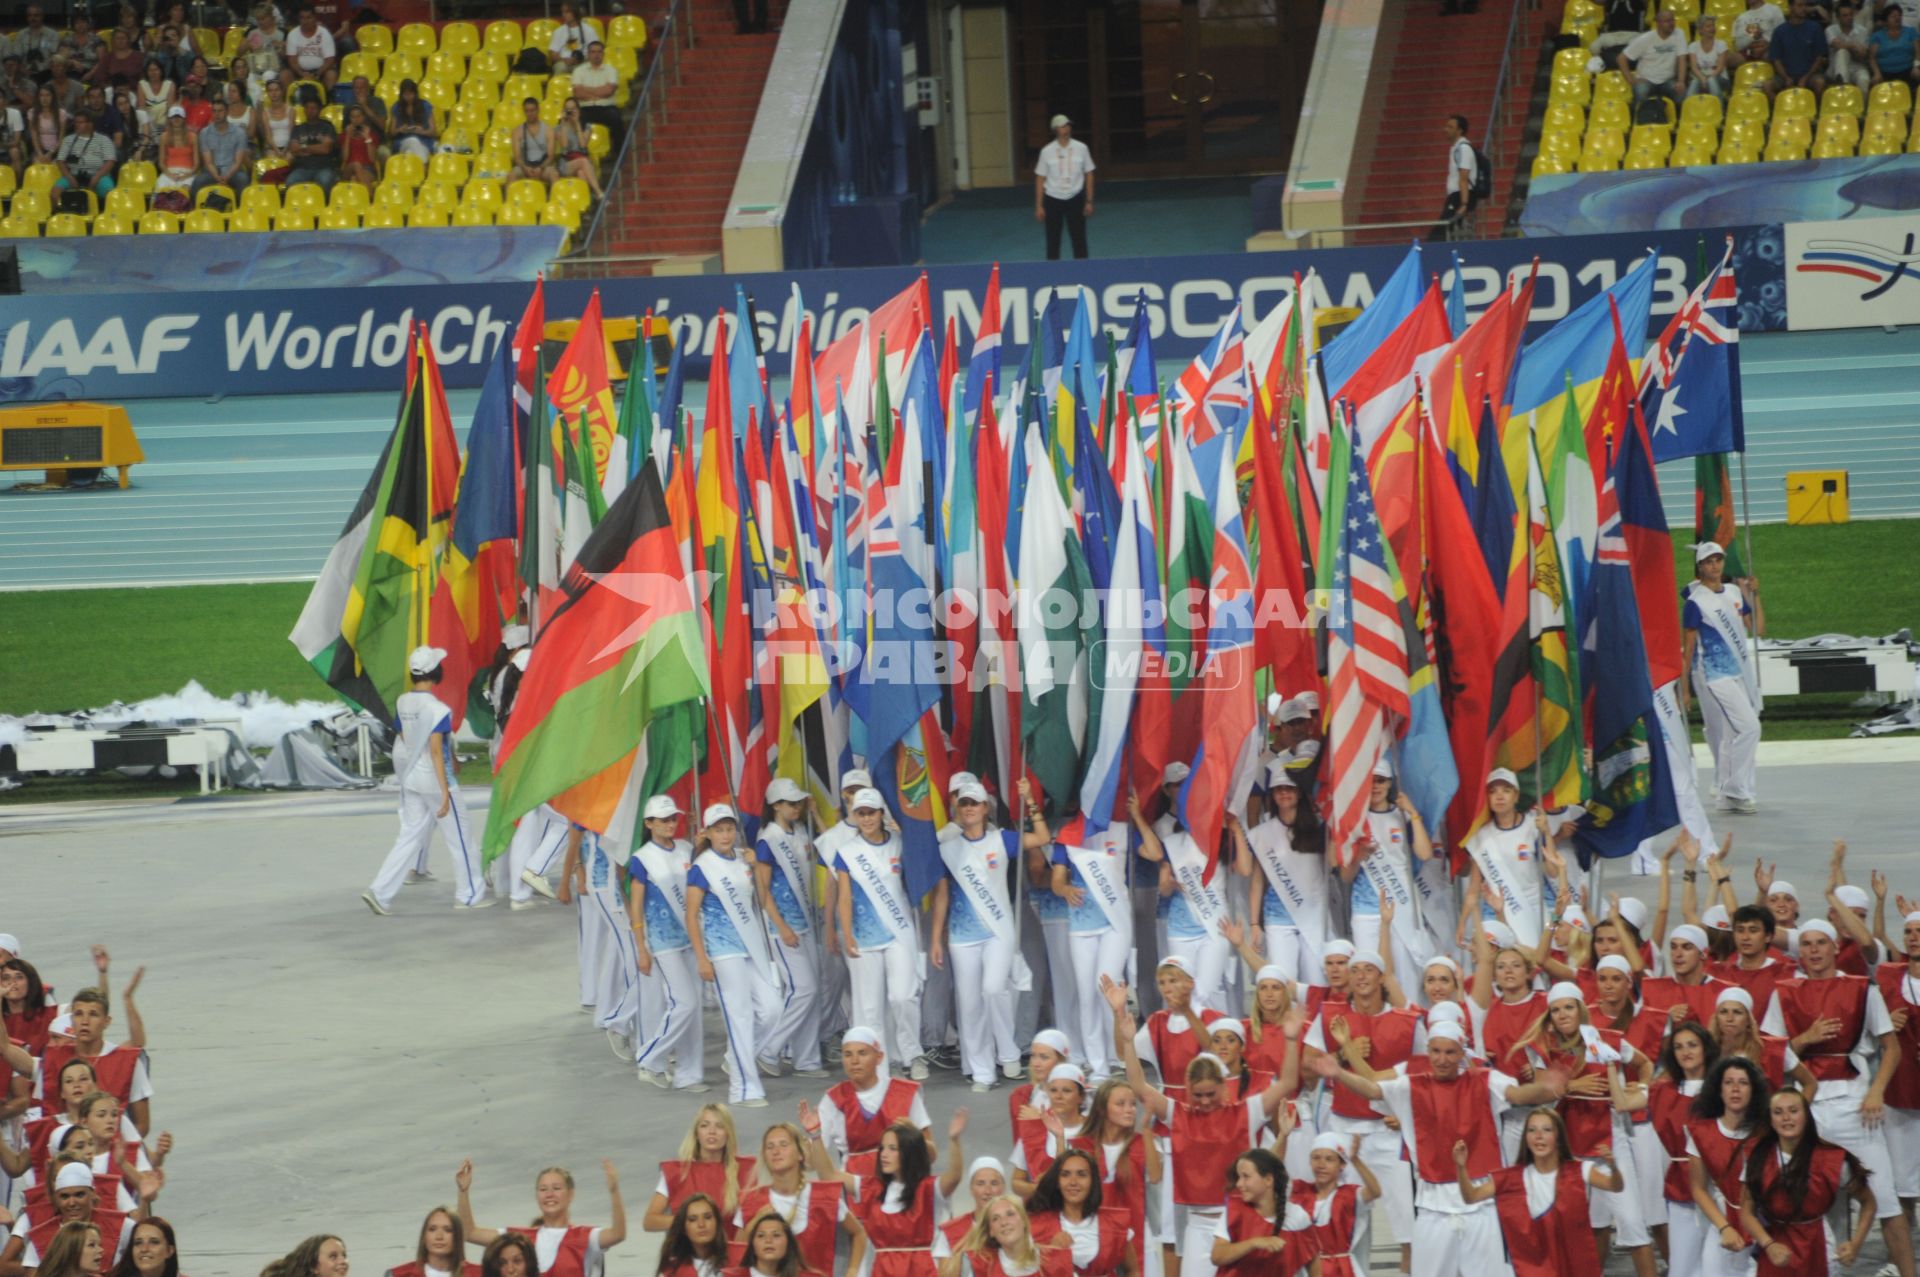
1690	378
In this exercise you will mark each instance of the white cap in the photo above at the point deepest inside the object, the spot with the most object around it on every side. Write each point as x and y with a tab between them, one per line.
514	637
1278	777
855	778
1635	912
1067	1073
1271	972
1309	701
425	660
1503	776
1909	920
1275	703
1781	887
1820	927
10	943
1331	1143
1445	1031
1367	957
1057	121
1294	710
971	792
1226	1024
1614	962
1383	770
73	1175
1175	961
1853	897
661	807
961	778
1707	549
62	1025
1501	934
1564	990
1307	749
862	1037
1054	1040
1576	917
1443	961
1337	949
1176	772
1735	994
716	813
782	790
1687	933
176	113
1716	916
868	798
1445	1011
979	1164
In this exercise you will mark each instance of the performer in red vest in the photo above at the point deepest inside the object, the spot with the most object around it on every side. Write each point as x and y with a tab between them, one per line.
440	1250
816	1209
1689	989
695	1244
1332	1205
1754	966
856	1112
1262	1234
894	1203
1793	1179
1504	1005
1900	988
1542	1203
985	1179
1040	1134
1737	1032
121	1070
774	1249
1449	1103
24	1006
1174	1037
1000	1244
710	1163
1726	1115
74	1199
1830	1016
564	1248
1048	1049
1068	1210
1128	1159
1684	1061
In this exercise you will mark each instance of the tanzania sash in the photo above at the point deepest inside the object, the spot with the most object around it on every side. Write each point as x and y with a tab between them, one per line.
1270	842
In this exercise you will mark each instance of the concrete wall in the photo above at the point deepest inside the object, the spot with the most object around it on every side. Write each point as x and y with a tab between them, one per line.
989	97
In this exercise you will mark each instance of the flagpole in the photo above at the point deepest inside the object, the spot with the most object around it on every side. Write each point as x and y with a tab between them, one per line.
1746	515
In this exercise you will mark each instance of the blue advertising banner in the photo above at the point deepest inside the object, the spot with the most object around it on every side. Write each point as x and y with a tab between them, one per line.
1712	195
268	341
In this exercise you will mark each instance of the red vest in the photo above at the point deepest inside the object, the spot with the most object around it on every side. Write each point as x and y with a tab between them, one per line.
1904	1091
1391	1033
1257	1081
571	1259
1115	1227
1204	1146
1055	1261
112	1071
29	1027
864	1129
1589	1119
1659	993
817	1240
1174	1051
684	1179
1125	1187
1333	1240
902	1242
1506	1023
1851	958
1021	1096
1670	1108
1269	1053
1556	1244
106	1189
1724	1159
111	1224
1760	983
1798	1222
412	1269
1842	998
1244	1223
1455	1109
955	1230
745	1270
1645	1030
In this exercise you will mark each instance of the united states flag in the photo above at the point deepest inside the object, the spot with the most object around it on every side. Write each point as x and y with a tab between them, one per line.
1367	667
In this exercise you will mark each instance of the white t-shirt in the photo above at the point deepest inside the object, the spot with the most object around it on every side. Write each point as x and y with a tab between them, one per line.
1018	1158
1459	156
1861	33
421	718
1065	168
589	76
1708	63
309	52
572	41
1656	57
1542	1188
833	1125
1397	1094
1756	24
1514	854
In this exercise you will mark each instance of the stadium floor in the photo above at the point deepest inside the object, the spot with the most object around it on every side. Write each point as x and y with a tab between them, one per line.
321	1068
256	489
1131	219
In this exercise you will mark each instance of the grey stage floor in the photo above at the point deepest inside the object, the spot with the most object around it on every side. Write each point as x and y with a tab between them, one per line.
323	1069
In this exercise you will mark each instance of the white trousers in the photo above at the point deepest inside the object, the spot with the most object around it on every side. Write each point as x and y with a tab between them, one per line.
1839	1122
1847	69
1686	1234
983	999
1289	949
1196	1242
795	1030
1409	967
1095	954
417	823
538	840
749	1005
1380	1149
1448	1245
676	1034
1733	734
1903	1142
609	964
1650	1165
1623	1211
1717	1261
1065	989
886	998
1207	956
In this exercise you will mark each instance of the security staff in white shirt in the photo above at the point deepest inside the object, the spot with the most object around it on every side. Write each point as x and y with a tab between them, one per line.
1063	188
1460	169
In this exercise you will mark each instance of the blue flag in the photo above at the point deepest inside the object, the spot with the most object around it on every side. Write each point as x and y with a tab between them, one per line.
1492	506
1690	380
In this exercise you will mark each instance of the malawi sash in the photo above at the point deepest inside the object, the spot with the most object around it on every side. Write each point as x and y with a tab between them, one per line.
730	884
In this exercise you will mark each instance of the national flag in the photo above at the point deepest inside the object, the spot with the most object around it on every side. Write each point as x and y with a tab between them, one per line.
912	775
1713	510
1457	297
721	523
983	364
1055	621
584	504
1283	645
620	649
1383	392
1690	378
803	406
1152	727
991	751
1494	512
898	322
580	390
1366	645
1650	551
1342	357
747	366
1576	521
1186	533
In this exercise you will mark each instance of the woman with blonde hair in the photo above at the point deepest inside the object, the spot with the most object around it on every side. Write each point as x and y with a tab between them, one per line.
1000	1244
441	1249
75	1251
709	1162
563	1248
815	1209
1737	1033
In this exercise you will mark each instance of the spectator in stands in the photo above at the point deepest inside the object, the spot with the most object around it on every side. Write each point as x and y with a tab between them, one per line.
1753	29
193	97
333	15
236	107
1063	188
1620	22
1651	61
123	63
273	123
13	138
82	46
172	47
1890	54
570	142
179	156
568	47
86	159
595	83
1798	49
67	91
310	49
313	146
533	145
1708	61
412	121
140	132
106	119
1461	166
16	86
361	94
155	93
265	45
225	159
360	145
35	43
46	124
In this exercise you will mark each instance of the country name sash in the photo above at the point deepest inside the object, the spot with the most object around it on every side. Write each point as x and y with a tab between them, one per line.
730	883
987	892
1190	871
790	858
866	864
665	873
1268	840
1096	874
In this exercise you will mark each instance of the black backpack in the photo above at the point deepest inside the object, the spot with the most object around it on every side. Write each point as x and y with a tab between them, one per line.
1482	175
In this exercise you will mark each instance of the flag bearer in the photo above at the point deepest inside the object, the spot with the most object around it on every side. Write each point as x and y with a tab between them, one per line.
1717	621
429	793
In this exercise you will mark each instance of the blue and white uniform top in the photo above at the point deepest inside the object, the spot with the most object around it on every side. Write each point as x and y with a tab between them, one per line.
666	883
599	865
712	873
881	912
791	857
984	860
1717	617
1106	854
1185	919
420	717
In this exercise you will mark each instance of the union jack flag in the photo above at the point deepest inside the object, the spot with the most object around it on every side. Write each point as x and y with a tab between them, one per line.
1689	387
1212	394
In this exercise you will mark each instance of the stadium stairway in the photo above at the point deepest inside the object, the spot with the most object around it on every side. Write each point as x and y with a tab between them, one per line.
678	201
1445	65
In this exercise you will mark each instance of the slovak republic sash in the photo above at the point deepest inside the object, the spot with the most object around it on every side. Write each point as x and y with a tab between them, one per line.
1190	871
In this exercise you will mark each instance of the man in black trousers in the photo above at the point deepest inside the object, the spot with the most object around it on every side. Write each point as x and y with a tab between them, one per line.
1063	188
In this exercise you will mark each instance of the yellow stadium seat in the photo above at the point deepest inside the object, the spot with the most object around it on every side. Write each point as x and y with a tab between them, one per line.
559	87
1891	95
473	116
450	67
517	215
251	220
126	203
260	198
393	195
1650	137
495	162
1843	99
503	37
1611	86
406	168
417	38
40	177
498	138
1696	134
66	226
112	224
462	38
341	219
1610	115
205	193
599	142
527	192
403	66
552	110
1687	11
231	43
6	180
482	193
159	223
1748	104
1913	143
1794	104
489	65
1544	164
141	175
573	192
519	87
427	215
1569	61
1791	132
1840	128
1828	148
1785	149
1573	90
375	38
301	218
448	167
207	41
359	63
204	221
1640	160
540	32
1742	153
387	91
436	193
335	114
469	215
1880	146
1752	75
627	63
627	31
349	195
1591	163
304	195
441	94
35	206
555	213
1565	115
1562	143
1702	108
1606	141
385	219
482	93
1691	155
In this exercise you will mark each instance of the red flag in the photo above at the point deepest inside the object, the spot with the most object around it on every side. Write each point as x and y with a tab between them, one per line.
1280	576
729	633
999	727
